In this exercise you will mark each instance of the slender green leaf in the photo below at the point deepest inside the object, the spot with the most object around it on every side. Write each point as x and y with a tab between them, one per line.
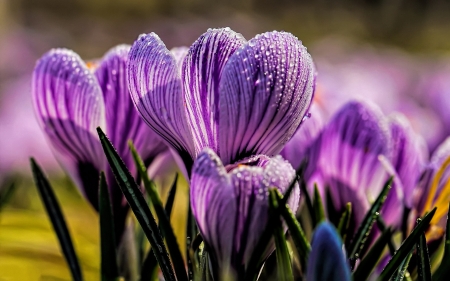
109	269
406	247
149	267
364	229
164	223
171	198
284	267
382	226
423	259
138	205
298	236
57	218
319	212
344	221
255	261
6	191
444	268
308	200
402	271
369	262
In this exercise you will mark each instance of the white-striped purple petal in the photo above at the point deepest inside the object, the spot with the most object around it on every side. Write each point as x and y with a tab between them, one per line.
327	261
265	91
298	147
69	106
156	89
409	154
202	72
230	203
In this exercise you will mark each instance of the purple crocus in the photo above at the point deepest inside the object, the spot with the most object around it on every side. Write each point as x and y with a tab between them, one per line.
327	260
236	97
230	203
353	157
71	98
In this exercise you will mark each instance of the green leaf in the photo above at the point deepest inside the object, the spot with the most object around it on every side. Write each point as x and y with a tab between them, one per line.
284	267
255	261
6	191
164	223
149	267
109	270
444	268
138	205
57	219
364	229
319	213
402	271
406	247
423	264
171	198
305	194
369	262
382	226
298	236
344	222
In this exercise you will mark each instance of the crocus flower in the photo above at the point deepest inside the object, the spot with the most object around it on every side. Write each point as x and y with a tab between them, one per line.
298	146
230	203
351	159
327	261
434	189
71	98
236	97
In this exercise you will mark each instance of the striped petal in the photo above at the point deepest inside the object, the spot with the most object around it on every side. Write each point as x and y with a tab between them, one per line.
265	91
410	154
230	203
202	71
69	106
327	261
156	90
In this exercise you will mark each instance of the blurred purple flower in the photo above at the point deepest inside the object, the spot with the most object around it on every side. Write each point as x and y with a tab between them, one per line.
236	97
230	203
327	260
71	98
351	160
297	147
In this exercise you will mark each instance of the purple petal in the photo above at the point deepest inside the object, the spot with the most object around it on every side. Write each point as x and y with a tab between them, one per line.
230	203
327	260
265	91
202	71
122	119
155	87
296	149
409	156
69	106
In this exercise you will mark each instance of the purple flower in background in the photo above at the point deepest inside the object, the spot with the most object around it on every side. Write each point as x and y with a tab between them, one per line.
230	203
351	159
236	97
71	98
327	260
297	148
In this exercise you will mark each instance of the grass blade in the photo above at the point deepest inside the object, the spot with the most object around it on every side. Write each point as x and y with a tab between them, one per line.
344	222
363	232
444	268
164	223
255	261
138	205
284	267
423	259
171	198
57	219
403	268
149	267
109	269
369	262
406	247
298	236
6	191
319	213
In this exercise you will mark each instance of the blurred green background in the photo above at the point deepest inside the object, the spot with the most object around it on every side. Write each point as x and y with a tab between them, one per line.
29	250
